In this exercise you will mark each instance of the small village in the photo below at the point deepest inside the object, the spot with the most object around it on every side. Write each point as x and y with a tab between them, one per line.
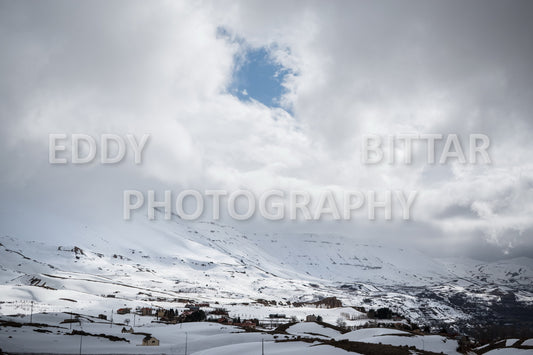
151	326
133	318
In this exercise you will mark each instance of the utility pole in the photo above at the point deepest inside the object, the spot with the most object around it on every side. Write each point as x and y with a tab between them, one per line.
81	335
262	346
31	313
111	326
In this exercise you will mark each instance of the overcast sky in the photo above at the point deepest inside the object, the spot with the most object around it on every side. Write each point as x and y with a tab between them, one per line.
263	95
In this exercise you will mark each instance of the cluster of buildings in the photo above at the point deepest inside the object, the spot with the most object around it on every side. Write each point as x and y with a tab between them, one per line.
244	323
197	312
143	311
192	313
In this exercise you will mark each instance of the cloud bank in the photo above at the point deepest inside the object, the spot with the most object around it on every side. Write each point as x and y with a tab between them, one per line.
351	68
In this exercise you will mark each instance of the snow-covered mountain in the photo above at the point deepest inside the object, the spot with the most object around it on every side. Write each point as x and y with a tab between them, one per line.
159	263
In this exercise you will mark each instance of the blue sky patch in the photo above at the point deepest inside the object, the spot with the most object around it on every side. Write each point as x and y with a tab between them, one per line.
259	77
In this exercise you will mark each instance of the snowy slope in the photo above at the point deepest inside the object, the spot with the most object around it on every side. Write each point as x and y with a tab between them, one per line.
159	263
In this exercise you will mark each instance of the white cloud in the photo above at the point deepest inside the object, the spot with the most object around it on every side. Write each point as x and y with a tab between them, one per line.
161	68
